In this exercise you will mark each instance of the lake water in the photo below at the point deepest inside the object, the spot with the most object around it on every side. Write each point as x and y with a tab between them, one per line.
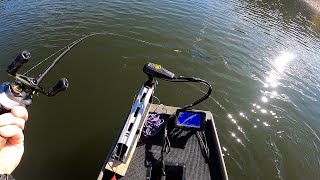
262	58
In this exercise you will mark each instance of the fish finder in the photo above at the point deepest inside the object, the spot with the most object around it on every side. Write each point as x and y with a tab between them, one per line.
187	119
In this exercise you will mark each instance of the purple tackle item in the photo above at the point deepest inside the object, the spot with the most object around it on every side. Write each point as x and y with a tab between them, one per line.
152	124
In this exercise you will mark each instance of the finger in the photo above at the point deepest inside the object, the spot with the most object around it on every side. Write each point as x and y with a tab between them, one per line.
10	131
9	119
13	133
20	112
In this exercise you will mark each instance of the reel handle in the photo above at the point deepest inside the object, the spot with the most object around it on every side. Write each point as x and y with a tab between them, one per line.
62	85
22	58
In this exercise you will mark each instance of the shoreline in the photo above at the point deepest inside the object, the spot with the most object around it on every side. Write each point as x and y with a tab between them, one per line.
314	4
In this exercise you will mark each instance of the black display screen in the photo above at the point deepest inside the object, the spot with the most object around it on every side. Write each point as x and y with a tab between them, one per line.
190	119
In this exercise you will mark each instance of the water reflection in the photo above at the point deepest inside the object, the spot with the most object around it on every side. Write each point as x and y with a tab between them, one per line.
286	13
240	129
271	110
274	75
279	64
226	42
237	139
263	108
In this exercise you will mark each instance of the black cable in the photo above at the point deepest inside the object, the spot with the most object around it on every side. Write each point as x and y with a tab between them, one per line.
165	142
193	79
203	145
166	146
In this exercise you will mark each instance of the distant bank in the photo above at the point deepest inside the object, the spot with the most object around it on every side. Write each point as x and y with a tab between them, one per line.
315	4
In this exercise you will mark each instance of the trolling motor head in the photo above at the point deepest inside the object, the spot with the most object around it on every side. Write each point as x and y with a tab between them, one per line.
156	70
22	89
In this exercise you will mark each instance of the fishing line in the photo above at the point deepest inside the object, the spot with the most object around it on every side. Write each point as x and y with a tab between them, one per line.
72	44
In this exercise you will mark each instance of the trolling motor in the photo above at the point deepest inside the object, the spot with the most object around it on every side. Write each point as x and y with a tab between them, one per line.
117	162
144	98
138	110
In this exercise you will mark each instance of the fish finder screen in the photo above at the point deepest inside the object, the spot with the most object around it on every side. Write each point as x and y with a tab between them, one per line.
190	119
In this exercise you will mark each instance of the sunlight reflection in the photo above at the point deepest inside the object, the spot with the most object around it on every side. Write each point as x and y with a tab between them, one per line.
281	61
240	129
274	93
263	111
262	108
237	139
279	64
266	124
264	99
225	150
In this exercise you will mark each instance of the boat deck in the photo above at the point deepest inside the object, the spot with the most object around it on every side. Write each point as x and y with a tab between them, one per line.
185	156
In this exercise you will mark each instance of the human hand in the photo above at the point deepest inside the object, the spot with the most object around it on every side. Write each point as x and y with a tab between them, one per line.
11	127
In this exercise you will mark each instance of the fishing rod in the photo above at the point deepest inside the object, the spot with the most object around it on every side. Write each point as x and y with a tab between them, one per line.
21	90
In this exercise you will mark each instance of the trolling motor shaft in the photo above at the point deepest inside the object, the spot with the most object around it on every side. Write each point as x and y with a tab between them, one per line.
138	110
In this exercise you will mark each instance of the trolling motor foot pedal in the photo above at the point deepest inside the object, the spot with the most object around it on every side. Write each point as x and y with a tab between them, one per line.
166	171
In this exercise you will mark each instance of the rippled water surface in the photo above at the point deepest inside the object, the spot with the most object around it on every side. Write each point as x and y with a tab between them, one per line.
261	56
